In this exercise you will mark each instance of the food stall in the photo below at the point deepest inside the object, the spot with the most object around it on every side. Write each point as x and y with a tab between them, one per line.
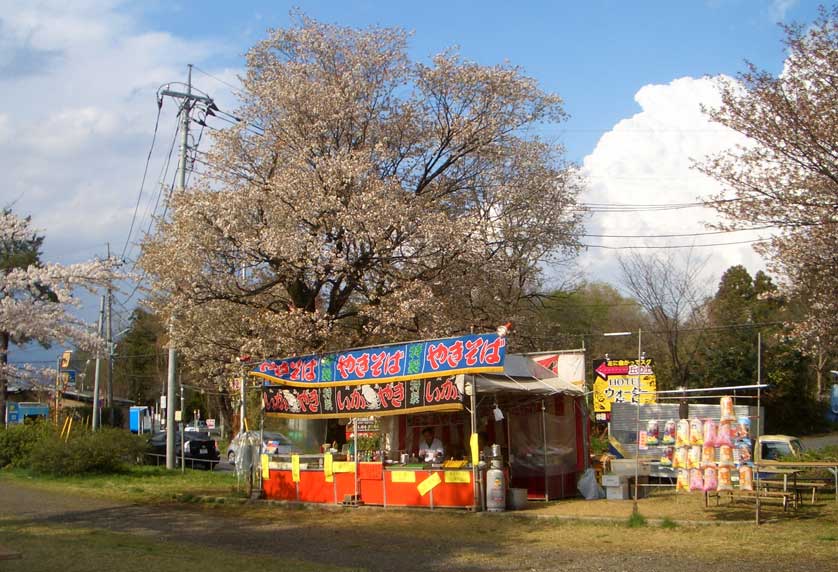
449	384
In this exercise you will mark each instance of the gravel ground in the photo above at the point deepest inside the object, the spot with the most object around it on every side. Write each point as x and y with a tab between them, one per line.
371	539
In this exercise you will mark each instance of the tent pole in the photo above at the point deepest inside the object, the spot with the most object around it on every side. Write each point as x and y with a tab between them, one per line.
475	480
544	444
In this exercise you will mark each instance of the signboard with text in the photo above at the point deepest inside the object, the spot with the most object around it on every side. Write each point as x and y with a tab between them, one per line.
478	353
622	381
377	399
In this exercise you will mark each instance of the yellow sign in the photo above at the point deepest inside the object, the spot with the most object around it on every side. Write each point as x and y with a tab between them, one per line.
343	467
295	468
425	486
403	476
473	443
623	381
457	477
328	468
266	461
65	359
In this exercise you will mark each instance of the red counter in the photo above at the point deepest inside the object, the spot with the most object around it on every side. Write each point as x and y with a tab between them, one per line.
375	486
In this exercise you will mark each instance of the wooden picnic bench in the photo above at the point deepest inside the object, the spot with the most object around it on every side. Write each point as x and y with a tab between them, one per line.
787	497
798	486
6	554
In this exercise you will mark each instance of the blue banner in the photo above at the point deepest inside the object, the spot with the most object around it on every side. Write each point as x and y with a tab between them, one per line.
412	360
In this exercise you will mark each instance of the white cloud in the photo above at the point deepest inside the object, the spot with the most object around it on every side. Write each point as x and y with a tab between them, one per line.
81	77
779	8
646	160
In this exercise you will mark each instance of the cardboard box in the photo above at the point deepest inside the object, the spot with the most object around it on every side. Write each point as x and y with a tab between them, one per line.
613	480
617	493
627	467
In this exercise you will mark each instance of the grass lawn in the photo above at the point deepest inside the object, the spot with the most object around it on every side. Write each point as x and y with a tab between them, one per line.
140	484
58	548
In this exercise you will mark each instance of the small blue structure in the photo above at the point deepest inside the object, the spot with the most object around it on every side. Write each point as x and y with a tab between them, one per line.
17	413
139	420
832	412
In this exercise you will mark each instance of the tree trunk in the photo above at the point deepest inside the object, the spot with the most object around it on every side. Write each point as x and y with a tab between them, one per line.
4	359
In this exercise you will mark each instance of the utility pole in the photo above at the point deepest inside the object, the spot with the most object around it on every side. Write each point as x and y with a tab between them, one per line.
187	99
96	415
110	347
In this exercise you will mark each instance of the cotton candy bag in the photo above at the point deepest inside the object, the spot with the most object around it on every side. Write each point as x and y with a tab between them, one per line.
746	478
695	457
668	433
708	455
726	404
711	480
696	480
696	432
682	436
683	482
709	432
652	432
723	436
724	484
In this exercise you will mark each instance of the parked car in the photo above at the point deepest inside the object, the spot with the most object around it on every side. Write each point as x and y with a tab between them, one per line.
774	447
197	425
200	450
272	444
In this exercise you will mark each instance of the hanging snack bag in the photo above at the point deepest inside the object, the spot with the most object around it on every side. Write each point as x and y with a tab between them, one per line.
667	457
682	458
709	432
723	436
668	433
726	404
743	428
743	451
725	484
696	432
726	456
682	436
695	457
708	455
696	480
711	480
652	432
746	478
683	482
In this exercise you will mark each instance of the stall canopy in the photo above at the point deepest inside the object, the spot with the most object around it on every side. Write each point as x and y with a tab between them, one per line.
522	374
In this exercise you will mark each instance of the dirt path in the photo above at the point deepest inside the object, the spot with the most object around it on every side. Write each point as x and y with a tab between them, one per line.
373	540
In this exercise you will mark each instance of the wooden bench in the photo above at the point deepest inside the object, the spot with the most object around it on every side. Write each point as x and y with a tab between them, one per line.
6	554
799	486
787	497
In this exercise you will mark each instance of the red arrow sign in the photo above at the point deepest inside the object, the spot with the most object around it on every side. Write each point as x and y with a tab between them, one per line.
605	370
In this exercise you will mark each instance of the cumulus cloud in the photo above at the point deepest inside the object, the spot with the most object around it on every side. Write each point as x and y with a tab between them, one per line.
646	160
82	78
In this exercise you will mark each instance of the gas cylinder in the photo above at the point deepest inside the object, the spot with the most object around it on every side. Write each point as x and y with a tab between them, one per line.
495	488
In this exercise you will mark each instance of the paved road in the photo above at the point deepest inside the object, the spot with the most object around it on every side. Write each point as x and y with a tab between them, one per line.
370	539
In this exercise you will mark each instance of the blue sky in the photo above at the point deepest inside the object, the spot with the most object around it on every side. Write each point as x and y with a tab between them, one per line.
77	103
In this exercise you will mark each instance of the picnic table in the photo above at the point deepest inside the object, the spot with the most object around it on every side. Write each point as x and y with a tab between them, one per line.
801	466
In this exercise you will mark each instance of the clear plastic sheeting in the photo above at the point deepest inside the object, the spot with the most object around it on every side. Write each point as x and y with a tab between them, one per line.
247	453
542	445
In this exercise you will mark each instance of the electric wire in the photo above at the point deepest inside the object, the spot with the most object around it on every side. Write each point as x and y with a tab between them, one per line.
145	173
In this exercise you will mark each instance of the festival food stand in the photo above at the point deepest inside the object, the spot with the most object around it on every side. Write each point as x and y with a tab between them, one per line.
447	384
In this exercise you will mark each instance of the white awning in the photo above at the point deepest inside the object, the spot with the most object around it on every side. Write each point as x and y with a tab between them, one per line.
522	374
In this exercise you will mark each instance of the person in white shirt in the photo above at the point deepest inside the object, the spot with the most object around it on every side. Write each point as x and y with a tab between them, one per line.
430	448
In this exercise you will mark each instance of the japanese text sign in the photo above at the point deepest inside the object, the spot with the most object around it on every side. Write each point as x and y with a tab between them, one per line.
413	360
391	398
623	381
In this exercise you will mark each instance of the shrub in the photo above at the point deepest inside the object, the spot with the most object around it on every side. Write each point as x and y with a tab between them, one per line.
105	451
18	441
636	520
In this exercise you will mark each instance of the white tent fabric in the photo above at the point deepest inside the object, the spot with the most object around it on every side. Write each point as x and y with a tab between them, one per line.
522	374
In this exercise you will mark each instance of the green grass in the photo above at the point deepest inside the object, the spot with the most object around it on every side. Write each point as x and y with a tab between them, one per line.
636	520
62	548
138	484
668	523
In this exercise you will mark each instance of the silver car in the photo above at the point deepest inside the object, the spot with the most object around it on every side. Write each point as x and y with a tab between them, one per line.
272	444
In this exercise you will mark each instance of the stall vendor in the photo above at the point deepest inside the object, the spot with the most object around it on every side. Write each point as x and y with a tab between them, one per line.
430	448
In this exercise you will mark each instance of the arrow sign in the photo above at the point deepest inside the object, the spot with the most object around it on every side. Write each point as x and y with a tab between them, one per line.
604	370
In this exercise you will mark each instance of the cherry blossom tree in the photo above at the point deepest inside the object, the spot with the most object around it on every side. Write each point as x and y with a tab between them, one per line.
787	175
36	299
364	197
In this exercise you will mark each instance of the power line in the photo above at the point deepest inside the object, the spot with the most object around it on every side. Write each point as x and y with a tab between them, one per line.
145	173
216	78
683	235
672	246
